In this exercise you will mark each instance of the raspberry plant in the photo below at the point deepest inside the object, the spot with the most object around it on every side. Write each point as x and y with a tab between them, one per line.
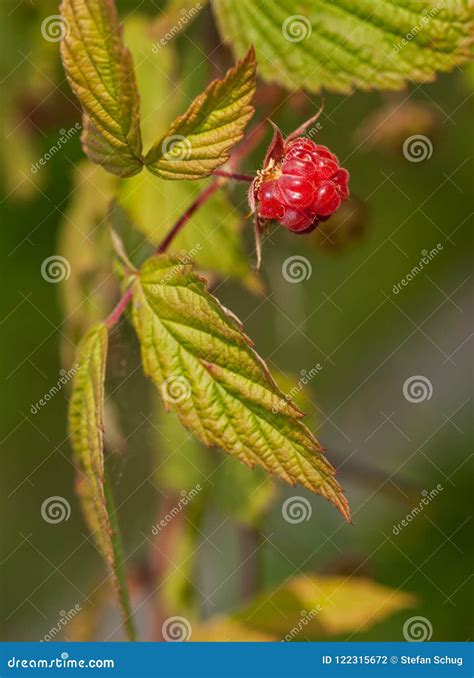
185	334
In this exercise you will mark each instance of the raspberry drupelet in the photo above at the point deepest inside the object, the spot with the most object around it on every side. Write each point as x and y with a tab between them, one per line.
304	188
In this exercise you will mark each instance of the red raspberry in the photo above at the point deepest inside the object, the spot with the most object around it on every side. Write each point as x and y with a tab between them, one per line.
271	204
302	143
297	191
327	199
297	220
304	187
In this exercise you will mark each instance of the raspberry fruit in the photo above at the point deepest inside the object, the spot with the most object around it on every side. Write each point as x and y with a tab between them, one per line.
302	187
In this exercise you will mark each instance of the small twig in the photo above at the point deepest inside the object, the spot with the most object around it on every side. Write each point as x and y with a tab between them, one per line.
184	218
233	175
250	543
116	313
248	145
204	195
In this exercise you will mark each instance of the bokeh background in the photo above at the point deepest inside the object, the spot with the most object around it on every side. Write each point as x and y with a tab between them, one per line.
233	541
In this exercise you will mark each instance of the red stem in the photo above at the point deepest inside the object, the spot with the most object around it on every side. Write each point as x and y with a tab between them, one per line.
233	175
184	218
204	195
116	313
248	145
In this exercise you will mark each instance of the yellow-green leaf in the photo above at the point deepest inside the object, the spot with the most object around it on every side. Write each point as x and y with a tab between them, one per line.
206	369
86	415
100	71
200	140
310	608
343	44
86	424
223	629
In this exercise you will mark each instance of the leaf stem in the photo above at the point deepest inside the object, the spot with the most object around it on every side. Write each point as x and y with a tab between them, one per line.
116	313
204	195
248	145
232	175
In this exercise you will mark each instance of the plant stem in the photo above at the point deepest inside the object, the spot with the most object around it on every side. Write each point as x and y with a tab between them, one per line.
252	140
204	195
118	573
116	313
232	175
250	543
184	218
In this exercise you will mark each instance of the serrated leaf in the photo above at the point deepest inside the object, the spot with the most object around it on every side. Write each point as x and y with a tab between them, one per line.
86	421
343	44
310	608
86	413
100	71
200	140
206	369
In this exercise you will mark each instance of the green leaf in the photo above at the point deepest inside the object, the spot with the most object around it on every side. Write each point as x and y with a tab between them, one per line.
100	71
343	44
86	431
200	140
197	354
310	608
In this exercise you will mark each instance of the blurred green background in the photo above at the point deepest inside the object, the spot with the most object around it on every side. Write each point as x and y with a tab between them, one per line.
345	317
